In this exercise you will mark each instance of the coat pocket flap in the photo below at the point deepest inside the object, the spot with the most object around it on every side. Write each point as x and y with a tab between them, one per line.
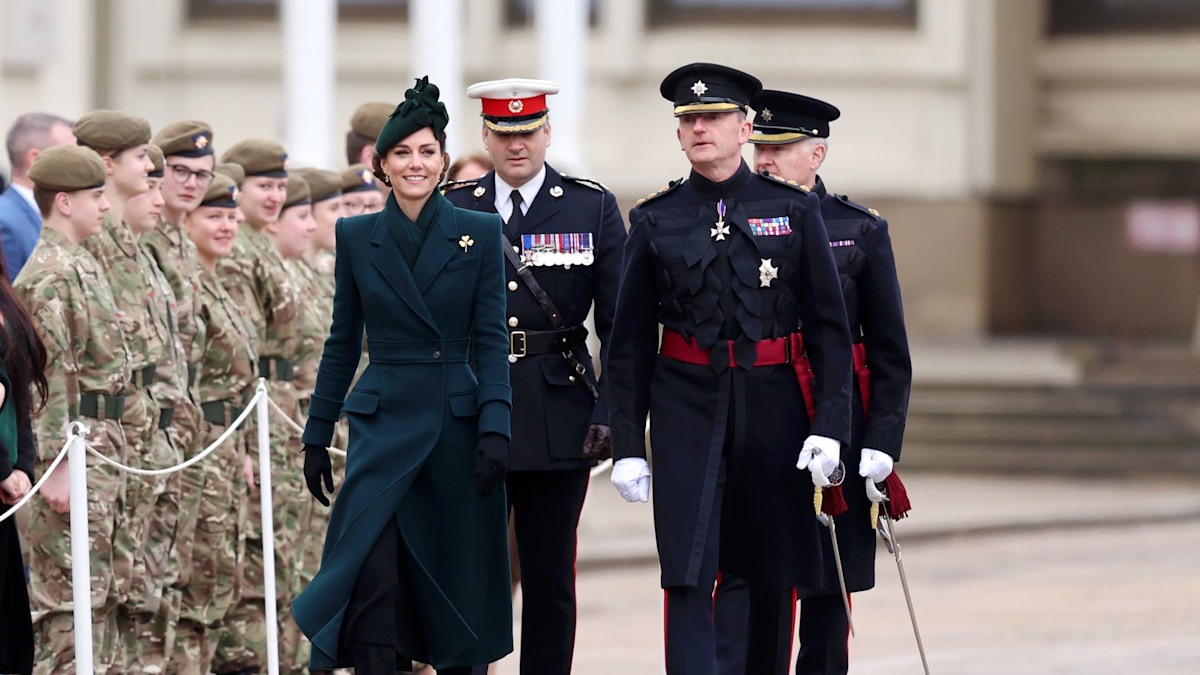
464	405
361	402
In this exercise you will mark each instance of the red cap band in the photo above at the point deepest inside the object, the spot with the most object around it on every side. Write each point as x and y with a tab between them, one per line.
514	107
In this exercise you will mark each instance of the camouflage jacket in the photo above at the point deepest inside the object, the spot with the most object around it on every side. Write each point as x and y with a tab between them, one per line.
259	282
313	326
175	254
229	366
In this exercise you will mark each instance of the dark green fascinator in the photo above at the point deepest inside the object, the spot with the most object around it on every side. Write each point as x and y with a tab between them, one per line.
420	108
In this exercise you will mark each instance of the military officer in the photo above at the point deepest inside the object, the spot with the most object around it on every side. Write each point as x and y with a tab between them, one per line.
725	261
566	236
789	137
360	191
89	371
255	276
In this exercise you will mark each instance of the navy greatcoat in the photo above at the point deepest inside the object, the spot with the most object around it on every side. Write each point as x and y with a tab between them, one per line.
749	286
437	379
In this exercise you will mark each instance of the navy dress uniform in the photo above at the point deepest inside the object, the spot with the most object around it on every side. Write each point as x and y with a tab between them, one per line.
569	234
730	270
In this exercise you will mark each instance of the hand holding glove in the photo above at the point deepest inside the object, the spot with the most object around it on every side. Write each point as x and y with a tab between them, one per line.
597	444
631	477
875	465
491	462
317	468
820	455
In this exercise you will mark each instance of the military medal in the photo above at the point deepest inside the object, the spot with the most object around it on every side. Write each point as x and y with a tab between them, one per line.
719	229
767	273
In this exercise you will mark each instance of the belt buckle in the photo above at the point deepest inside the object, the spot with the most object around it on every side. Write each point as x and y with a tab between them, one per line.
513	348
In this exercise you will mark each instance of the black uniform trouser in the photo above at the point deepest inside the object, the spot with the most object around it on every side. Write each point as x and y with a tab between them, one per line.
545	508
823	631
691	629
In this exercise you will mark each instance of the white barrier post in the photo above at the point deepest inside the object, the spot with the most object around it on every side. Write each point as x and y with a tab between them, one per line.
268	529
81	572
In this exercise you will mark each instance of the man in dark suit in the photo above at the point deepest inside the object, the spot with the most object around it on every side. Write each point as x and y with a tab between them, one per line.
20	222
567	234
730	263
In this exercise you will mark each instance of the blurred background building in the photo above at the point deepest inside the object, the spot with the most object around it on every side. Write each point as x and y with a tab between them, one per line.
1039	160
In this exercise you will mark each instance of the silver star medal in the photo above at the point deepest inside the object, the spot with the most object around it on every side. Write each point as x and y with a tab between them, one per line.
699	88
767	273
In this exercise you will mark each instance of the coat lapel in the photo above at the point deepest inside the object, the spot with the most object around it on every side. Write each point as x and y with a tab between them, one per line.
439	246
391	265
544	205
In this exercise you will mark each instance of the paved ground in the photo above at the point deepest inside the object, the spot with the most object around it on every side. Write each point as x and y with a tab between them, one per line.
1009	576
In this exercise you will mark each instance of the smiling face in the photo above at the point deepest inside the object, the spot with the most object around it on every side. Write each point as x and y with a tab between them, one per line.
414	166
262	199
713	141
212	229
518	157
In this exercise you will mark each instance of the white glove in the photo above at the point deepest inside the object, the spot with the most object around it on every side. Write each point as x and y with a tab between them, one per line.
631	477
875	465
820	455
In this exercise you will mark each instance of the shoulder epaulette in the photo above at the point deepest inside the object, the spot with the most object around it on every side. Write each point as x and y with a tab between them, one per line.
662	191
782	181
594	184
456	184
859	207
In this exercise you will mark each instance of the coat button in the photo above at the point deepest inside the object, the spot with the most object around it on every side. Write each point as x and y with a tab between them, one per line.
512	358
516	249
512	285
437	353
571	378
512	322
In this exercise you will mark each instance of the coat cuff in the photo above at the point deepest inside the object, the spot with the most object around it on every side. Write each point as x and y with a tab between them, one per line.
318	431
494	418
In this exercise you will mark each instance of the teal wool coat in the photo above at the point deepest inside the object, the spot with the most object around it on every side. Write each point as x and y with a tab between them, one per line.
437	379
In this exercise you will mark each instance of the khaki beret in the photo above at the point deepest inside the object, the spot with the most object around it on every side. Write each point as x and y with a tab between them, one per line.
298	192
259	158
155	154
111	130
358	178
222	191
234	171
369	118
322	184
189	138
67	168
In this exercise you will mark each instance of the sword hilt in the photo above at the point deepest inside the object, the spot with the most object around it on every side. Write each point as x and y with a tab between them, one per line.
818	498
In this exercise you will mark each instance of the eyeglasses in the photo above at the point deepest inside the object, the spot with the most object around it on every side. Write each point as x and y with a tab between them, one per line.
182	174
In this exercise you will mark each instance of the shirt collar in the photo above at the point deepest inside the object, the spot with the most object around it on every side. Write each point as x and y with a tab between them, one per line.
528	191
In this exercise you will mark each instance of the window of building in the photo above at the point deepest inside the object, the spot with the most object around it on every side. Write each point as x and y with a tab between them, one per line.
351	10
1086	17
902	13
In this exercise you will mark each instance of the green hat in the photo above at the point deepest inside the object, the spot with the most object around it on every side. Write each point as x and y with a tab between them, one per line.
322	184
234	171
369	118
189	138
358	178
155	154
110	130
420	109
298	192
222	191
67	168
259	158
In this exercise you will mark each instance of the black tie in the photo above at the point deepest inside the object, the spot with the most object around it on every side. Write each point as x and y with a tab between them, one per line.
512	229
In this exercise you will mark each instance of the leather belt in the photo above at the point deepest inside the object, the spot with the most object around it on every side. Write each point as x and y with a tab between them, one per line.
531	342
101	406
276	368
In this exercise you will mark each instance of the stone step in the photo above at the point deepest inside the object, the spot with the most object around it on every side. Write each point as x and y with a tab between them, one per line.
1100	461
1048	431
1014	401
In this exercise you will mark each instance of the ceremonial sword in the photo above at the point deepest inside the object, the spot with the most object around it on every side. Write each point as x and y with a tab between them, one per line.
887	531
827	520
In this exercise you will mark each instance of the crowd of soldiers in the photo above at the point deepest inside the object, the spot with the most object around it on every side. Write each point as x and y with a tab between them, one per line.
166	283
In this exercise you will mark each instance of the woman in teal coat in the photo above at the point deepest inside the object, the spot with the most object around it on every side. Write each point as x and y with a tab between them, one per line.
415	564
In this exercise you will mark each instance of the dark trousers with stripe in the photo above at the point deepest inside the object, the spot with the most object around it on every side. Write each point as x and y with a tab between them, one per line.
545	508
823	632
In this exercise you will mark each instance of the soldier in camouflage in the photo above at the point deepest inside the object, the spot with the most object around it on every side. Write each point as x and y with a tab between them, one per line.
90	376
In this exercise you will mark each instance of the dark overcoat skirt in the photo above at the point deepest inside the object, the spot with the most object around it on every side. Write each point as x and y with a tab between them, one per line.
437	379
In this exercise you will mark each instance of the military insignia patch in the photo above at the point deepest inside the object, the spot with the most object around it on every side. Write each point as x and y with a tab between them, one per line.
556	191
841	243
766	114
699	88
515	106
479	192
200	141
558	249
770	227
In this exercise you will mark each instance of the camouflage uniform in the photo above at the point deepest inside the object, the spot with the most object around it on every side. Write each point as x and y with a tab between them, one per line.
89	371
144	552
257	279
227	376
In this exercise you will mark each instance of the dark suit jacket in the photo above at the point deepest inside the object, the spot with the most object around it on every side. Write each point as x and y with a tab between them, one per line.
551	410
20	226
437	379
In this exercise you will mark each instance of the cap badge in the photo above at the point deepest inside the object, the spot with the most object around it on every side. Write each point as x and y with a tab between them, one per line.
766	114
516	105
285	161
556	191
699	88
479	192
466	242
200	141
767	273
233	193
366	177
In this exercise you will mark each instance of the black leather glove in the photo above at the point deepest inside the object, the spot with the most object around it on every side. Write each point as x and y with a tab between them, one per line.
597	444
317	467
491	462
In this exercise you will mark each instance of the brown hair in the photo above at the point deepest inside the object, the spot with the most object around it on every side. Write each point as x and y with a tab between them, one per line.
473	158
22	350
355	142
44	199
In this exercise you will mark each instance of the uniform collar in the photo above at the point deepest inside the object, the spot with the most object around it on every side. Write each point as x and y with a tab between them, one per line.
725	188
819	188
528	191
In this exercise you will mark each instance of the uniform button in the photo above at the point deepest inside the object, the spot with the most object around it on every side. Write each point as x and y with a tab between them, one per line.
512	285
571	378
512	358
516	249
512	322
437	353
